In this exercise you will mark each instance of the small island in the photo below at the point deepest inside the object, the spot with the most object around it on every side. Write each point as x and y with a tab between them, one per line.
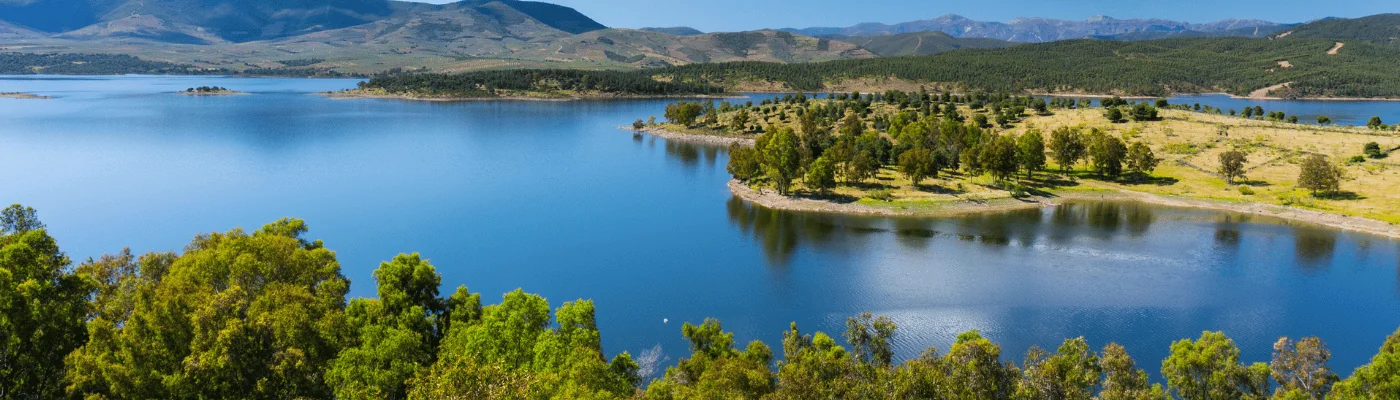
924	154
539	85
210	91
19	95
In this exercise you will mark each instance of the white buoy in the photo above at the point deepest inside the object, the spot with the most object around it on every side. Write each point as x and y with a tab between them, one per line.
665	320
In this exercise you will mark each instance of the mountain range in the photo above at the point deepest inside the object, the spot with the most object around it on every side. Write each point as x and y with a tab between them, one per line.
1035	30
366	36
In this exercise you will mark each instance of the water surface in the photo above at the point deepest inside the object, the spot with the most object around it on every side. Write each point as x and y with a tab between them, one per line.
550	197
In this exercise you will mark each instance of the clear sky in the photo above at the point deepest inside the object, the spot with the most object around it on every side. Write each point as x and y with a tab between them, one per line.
736	15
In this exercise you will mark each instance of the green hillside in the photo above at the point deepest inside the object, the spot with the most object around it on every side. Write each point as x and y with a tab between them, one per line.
1381	28
1154	68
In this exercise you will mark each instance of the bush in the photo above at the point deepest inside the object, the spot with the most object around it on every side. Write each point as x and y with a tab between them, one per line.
1373	150
1246	190
1356	160
881	195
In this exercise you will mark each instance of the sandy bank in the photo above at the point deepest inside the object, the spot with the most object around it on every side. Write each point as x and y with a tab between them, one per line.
770	199
689	137
27	96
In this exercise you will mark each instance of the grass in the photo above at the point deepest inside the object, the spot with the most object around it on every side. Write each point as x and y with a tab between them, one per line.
1187	143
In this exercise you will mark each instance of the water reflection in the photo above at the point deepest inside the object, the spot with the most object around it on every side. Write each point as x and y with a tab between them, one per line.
1314	247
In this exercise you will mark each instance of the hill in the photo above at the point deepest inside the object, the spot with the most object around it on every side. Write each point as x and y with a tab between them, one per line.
1382	29
1150	68
211	21
920	43
676	30
1033	30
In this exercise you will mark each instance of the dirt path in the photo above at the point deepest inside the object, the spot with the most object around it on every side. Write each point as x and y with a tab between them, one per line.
1336	48
1264	93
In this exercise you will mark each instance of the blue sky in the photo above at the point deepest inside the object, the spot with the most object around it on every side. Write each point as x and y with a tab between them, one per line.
733	15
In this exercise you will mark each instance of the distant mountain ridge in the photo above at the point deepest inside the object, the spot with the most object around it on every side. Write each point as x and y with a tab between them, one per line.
237	21
1033	30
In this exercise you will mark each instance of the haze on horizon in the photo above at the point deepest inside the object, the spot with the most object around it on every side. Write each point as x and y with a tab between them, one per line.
740	15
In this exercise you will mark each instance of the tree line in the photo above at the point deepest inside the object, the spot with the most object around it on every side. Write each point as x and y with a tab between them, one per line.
263	314
490	83
1146	68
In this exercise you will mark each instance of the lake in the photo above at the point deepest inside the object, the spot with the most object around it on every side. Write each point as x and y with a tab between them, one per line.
549	196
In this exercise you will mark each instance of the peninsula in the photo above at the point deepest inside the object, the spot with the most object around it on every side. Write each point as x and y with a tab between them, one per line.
922	154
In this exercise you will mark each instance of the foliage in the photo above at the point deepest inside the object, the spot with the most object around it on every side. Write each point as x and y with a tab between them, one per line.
1108	153
1319	175
917	164
1030	152
1209	369
1154	68
1378	380
1141	160
1232	165
488	83
1300	368
43	308
821	175
1067	146
237	315
683	113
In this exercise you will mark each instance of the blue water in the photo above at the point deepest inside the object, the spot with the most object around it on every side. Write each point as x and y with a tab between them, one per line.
1341	112
550	197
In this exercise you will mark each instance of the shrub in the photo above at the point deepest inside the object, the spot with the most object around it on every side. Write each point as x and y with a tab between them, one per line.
1246	190
881	195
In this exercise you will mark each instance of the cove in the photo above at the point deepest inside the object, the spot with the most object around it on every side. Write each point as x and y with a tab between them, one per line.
552	198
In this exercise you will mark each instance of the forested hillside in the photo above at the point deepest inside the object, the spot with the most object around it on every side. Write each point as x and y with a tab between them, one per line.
1382	29
86	64
501	82
1154	68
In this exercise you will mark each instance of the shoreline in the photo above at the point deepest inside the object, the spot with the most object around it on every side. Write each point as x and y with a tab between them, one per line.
23	96
770	199
211	93
354	96
691	137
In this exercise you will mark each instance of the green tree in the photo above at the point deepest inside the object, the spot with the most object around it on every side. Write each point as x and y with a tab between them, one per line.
1209	369
638	125
1067	147
397	332
976	370
1114	115
1374	123
43	307
1108	153
1318	175
821	175
999	156
1300	368
237	315
869	337
1030	152
1072	373
1141	161
1324	120
1232	165
744	164
851	125
918	163
19	219
715	368
683	113
1378	380
1122	380
782	159
1143	112
740	121
1373	150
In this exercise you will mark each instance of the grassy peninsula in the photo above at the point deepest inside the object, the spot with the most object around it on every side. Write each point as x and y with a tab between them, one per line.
903	153
553	84
19	95
210	91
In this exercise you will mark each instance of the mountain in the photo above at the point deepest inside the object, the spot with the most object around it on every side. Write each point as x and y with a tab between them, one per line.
676	30
1382	29
1032	29
238	21
919	43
